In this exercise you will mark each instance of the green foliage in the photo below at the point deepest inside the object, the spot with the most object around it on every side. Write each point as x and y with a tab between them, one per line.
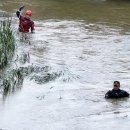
12	82
7	42
13	79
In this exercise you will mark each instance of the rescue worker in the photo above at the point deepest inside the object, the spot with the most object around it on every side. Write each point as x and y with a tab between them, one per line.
116	92
25	23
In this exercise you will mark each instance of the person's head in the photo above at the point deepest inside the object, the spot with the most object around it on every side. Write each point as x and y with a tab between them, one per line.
116	85
28	14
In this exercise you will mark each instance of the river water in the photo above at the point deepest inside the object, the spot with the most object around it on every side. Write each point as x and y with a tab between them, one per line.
79	48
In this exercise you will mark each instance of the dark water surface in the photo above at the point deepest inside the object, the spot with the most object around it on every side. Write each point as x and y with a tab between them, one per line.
111	11
78	49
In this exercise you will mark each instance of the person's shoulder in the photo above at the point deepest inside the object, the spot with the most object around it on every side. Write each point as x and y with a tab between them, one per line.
109	91
124	91
107	95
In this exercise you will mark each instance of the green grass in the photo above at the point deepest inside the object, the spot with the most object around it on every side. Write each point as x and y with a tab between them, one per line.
7	43
12	82
7	48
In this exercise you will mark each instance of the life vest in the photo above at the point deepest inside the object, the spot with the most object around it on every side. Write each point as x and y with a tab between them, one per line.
25	24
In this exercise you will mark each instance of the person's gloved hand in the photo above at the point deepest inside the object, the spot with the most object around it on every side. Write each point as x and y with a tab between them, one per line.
21	8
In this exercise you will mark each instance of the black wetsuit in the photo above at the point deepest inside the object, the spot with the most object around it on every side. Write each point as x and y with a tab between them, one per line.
116	94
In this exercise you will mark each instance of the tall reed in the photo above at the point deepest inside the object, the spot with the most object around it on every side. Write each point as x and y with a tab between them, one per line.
7	42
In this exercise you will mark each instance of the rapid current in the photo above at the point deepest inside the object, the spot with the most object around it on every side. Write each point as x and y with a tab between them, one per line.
75	62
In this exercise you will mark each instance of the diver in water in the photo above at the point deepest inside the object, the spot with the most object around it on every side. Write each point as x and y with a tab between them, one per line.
25	22
116	92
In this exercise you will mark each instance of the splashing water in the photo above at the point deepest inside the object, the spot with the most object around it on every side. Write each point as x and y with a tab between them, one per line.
72	64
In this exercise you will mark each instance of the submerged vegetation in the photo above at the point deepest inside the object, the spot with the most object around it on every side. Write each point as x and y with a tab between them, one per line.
12	82
7	43
13	79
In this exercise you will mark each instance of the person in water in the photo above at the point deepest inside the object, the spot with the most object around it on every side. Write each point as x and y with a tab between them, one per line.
25	22
116	92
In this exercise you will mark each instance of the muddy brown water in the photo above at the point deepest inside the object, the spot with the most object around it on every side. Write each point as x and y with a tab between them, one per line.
78	49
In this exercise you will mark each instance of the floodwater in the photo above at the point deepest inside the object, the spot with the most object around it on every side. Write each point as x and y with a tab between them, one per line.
78	49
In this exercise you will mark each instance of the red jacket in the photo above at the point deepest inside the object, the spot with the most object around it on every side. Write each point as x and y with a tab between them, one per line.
25	24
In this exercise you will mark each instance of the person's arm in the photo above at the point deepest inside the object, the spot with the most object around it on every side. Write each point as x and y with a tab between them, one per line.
107	95
19	12
32	27
126	94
